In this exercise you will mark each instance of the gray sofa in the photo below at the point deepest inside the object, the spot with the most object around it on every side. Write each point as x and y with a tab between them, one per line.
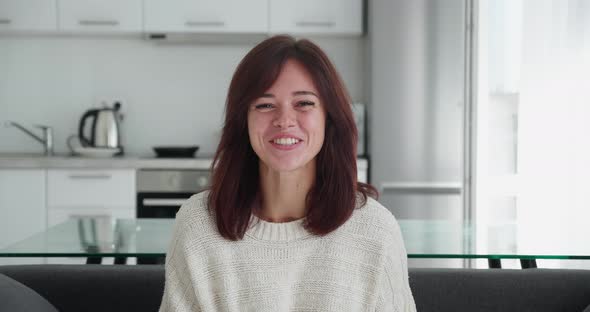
139	288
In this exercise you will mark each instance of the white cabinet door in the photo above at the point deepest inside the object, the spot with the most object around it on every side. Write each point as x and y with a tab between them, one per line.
28	15
22	204
91	188
100	16
206	16
316	17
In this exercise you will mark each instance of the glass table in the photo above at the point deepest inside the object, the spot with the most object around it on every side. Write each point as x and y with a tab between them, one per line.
98	237
95	238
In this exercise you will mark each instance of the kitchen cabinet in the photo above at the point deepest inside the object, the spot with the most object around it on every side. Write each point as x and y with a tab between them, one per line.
100	16
105	193
90	192
206	16
326	17
342	17
22	208
28	15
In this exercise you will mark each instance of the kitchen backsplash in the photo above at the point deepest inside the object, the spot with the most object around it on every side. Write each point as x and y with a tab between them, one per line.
171	93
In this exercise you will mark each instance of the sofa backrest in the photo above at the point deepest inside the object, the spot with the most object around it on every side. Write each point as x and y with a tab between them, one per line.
94	287
505	290
140	287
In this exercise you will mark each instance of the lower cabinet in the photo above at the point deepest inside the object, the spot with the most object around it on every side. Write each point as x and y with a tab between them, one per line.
33	199
105	194
22	208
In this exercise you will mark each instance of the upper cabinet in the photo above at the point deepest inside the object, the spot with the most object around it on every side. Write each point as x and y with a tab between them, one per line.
28	15
100	16
308	17
206	16
342	17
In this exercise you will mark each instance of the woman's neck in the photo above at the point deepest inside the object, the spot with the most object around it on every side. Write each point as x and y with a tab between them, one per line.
284	193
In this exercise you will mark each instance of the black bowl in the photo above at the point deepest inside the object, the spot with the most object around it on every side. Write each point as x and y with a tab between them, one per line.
175	151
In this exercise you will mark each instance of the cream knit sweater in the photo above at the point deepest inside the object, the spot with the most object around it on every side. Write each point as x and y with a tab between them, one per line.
361	266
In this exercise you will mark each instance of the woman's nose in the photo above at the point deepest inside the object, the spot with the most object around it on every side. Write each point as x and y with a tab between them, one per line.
284	118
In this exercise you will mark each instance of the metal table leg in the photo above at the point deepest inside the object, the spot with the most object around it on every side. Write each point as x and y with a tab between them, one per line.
528	263
94	260
494	263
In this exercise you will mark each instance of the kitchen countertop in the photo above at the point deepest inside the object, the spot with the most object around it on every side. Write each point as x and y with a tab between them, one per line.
23	161
36	161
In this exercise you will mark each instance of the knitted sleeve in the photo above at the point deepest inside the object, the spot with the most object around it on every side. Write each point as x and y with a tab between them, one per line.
395	294
179	294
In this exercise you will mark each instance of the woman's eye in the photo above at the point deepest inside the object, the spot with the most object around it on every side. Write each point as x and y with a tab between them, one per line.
263	106
305	103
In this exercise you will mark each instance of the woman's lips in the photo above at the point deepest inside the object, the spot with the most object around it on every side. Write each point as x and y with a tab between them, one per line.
285	142
285	147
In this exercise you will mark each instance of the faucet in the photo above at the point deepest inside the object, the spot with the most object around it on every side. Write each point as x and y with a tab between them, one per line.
46	140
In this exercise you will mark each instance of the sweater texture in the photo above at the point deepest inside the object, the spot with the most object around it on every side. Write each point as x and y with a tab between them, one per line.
361	266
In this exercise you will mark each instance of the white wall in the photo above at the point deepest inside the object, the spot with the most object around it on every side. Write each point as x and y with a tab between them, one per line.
171	93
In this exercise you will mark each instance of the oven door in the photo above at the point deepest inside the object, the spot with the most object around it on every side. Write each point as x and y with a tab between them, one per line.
160	205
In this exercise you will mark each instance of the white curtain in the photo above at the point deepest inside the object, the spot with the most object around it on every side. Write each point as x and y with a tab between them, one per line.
553	165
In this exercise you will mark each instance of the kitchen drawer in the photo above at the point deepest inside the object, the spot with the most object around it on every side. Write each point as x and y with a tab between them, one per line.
100	16
28	15
91	188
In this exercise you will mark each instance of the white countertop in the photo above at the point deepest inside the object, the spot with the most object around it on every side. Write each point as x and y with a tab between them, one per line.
34	161
22	161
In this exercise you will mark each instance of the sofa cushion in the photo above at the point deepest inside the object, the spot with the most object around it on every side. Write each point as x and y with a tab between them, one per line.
16	297
535	290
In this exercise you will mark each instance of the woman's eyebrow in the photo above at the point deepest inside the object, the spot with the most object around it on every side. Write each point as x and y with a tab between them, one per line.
305	93
270	95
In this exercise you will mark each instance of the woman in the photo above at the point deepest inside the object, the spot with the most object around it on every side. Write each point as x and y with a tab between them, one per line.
285	225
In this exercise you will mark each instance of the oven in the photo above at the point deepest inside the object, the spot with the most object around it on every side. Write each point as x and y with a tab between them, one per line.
161	192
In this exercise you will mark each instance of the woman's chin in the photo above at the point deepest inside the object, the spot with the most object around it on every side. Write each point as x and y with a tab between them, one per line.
288	165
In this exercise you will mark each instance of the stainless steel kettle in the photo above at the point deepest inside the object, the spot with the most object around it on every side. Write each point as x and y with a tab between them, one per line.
105	129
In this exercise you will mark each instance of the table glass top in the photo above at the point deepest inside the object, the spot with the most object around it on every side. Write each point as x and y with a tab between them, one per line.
105	237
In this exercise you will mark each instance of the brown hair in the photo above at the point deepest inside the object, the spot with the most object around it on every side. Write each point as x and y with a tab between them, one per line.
235	181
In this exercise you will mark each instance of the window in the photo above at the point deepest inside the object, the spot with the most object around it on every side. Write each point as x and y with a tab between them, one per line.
533	124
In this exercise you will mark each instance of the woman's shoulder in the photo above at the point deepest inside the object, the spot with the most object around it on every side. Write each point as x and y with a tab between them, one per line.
374	210
194	213
374	219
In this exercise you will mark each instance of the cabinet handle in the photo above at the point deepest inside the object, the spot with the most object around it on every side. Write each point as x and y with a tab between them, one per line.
5	21
169	202
205	23
423	187
101	176
98	22
314	24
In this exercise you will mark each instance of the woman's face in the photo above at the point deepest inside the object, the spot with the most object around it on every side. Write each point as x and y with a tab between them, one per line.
286	125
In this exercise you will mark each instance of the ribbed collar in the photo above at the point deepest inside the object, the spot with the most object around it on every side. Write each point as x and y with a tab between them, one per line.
271	231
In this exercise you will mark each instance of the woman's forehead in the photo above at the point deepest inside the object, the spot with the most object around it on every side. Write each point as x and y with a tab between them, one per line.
294	78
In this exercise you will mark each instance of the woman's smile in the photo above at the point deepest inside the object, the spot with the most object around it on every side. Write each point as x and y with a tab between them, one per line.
285	142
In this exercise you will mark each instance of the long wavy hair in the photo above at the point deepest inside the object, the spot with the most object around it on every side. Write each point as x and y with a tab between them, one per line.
235	177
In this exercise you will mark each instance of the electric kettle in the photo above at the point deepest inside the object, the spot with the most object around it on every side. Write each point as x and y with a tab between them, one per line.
105	127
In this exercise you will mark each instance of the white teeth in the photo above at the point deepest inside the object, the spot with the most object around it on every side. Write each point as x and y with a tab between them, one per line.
286	141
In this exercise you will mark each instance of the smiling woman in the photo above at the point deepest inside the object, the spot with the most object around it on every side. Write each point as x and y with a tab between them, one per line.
286	225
